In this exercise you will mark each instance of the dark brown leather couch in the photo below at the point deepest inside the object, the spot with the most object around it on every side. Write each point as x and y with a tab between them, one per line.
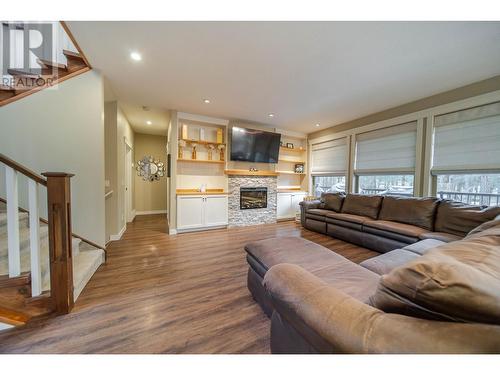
430	295
387	223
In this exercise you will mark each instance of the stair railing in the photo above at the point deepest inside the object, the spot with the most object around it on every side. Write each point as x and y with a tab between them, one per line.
59	231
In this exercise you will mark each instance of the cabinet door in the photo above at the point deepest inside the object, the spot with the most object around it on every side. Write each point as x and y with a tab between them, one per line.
296	199
190	211
284	205
216	210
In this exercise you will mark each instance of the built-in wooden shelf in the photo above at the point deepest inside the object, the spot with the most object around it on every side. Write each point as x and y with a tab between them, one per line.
202	142
282	148
291	160
198	192
244	172
203	161
290	172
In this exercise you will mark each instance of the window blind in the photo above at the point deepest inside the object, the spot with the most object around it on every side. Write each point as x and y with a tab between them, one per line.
389	150
467	140
329	157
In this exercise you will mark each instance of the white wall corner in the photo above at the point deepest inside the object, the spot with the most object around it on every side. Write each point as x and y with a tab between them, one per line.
117	237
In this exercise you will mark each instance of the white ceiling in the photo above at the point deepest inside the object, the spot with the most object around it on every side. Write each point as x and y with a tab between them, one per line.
303	72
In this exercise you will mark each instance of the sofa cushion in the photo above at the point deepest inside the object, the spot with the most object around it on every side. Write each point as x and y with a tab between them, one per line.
362	205
440	236
348	217
317	214
414	211
421	247
457	281
385	263
392	226
492	224
332	201
329	266
459	218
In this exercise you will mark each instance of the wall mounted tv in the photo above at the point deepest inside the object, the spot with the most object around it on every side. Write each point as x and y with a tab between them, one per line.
254	145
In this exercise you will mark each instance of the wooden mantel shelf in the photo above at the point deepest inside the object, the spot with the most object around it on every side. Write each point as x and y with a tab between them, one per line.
245	172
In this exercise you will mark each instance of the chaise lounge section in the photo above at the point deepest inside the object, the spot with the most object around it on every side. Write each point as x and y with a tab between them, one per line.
437	292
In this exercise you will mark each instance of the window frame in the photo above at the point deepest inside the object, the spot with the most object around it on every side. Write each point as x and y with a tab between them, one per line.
312	190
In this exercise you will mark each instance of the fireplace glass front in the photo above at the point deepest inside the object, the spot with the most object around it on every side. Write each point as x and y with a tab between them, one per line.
253	197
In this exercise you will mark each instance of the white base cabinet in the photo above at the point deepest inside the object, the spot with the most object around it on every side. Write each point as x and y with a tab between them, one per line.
288	204
198	212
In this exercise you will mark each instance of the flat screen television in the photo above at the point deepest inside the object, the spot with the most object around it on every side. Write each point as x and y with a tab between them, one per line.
254	145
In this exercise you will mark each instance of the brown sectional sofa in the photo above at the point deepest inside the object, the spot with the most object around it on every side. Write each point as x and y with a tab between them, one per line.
431	291
387	223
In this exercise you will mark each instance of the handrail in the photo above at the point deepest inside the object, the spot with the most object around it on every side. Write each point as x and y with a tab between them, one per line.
22	169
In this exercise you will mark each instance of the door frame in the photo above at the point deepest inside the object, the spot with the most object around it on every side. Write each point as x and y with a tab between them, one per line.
128	164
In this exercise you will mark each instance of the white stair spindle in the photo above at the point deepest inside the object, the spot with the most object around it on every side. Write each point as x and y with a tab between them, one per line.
14	253
35	258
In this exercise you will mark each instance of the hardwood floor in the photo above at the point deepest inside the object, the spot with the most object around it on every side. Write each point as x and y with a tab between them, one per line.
167	294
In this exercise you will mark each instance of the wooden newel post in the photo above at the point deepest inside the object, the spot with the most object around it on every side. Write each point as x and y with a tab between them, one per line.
60	238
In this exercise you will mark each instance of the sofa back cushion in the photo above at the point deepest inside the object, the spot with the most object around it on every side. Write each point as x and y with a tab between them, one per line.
362	205
413	211
458	281
459	218
332	201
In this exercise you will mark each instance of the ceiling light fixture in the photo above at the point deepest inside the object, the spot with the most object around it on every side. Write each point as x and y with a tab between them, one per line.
148	122
271	115
206	101
136	56
317	125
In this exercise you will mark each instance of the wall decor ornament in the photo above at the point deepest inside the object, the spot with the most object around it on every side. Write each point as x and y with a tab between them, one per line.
182	144
193	150
221	152
150	169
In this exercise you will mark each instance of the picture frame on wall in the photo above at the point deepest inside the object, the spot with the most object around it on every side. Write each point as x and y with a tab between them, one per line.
299	168
289	145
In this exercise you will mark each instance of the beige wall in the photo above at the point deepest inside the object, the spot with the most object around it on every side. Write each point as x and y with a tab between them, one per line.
117	131
150	196
478	88
61	130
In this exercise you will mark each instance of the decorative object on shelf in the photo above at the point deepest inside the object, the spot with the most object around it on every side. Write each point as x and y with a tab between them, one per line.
281	144
210	149
193	151
184	131
219	136
181	145
289	145
203	188
299	168
252	169
221	152
150	169
202	134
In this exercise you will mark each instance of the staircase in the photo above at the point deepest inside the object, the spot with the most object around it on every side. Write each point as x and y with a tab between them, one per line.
19	83
40	272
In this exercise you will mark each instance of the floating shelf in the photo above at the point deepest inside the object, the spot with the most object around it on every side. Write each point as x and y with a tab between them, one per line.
290	172
291	160
292	149
203	161
202	142
244	172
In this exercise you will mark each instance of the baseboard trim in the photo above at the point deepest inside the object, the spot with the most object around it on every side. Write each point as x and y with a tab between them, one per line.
117	237
172	231
154	212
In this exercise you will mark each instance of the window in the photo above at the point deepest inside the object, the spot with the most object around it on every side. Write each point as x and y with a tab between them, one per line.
397	185
328	184
385	160
477	189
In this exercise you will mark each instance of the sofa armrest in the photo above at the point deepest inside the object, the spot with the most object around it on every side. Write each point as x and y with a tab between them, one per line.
352	326
307	205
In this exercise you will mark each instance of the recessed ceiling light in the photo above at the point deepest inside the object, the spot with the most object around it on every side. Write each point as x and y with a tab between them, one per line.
136	56
317	125
271	115
206	101
148	122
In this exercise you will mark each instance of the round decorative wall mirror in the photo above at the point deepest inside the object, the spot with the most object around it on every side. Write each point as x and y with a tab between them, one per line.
150	169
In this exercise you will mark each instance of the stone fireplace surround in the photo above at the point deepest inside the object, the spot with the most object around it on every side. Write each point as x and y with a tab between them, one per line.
238	217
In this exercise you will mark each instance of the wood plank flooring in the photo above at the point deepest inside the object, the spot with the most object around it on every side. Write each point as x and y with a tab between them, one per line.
167	294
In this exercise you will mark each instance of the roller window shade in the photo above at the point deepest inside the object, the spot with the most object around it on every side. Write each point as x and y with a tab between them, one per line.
467	140
388	149
329	157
